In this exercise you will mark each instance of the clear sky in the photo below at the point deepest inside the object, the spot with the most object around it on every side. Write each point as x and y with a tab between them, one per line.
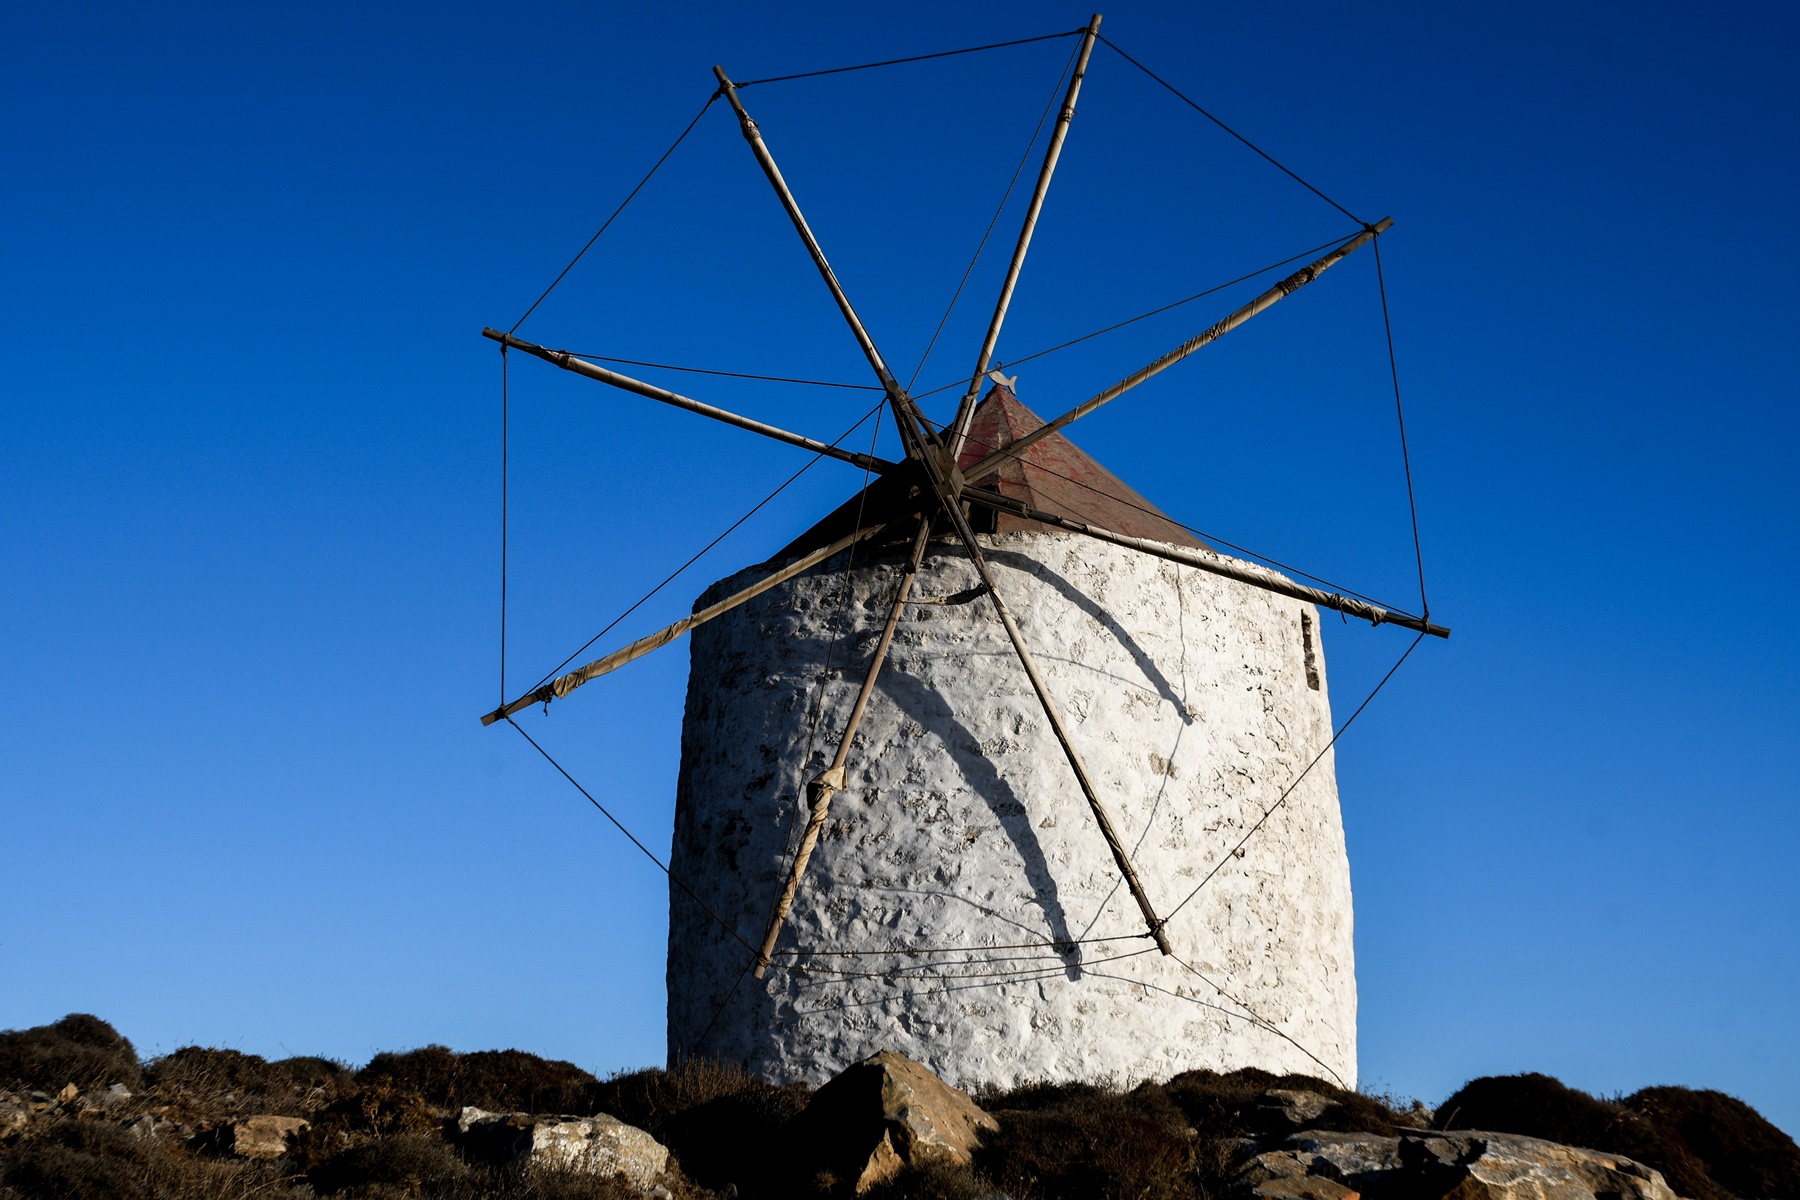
251	480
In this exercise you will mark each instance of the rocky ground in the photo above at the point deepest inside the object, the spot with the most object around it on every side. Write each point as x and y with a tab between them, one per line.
81	1116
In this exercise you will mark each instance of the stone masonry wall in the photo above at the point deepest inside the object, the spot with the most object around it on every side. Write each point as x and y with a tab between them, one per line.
963	840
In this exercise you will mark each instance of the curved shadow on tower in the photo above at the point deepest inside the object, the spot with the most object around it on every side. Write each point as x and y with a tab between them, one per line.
1027	565
924	704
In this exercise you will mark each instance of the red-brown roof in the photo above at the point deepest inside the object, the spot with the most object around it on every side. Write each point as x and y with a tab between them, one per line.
1057	476
1054	475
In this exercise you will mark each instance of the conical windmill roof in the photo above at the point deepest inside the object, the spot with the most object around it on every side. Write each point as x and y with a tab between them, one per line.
1057	476
1054	474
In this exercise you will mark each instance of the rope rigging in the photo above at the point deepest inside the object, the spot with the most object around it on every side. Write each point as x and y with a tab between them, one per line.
637	362
700	553
893	62
1024	158
1275	266
1234	133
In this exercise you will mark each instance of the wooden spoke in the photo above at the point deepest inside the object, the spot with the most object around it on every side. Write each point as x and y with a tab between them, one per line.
581	366
959	428
760	148
1268	299
562	685
952	509
831	780
1216	564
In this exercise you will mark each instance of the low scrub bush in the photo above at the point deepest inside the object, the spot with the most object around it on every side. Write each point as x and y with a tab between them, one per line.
716	1118
934	1181
215	1074
86	1160
415	1163
79	1049
1738	1148
1092	1143
307	1073
496	1080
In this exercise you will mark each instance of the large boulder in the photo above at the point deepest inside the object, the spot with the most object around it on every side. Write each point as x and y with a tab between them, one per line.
1461	1165
598	1145
1504	1166
882	1115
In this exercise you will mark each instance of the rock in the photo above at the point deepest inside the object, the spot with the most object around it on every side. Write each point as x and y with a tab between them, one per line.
143	1129
115	1095
15	1117
1504	1166
1296	1110
68	1094
1357	1160
260	1136
1419	1115
599	1145
1452	1166
883	1114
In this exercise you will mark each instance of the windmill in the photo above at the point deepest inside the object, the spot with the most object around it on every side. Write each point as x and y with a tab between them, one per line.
998	512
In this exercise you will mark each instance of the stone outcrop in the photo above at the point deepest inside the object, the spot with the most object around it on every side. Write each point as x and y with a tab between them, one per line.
16	1113
262	1136
1436	1165
882	1115
599	1145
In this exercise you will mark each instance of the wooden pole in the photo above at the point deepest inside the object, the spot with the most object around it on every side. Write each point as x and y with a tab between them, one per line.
562	685
959	428
831	780
581	366
1268	299
952	508
760	148
1216	564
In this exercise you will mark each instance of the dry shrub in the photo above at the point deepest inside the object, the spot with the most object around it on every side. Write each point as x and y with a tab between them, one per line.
78	1161
1739	1149
413	1162
558	1183
496	1080
79	1049
87	1160
309	1073
1542	1107
933	1181
1089	1143
717	1119
200	1071
366	1114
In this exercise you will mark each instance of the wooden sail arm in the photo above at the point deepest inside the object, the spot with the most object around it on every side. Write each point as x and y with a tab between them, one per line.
965	411
1213	333
1216	564
830	781
580	366
562	685
910	432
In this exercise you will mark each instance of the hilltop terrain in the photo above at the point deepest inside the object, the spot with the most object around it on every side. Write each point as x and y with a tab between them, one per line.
81	1116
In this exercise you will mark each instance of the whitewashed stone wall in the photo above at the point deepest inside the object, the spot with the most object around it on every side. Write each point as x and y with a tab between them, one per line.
962	827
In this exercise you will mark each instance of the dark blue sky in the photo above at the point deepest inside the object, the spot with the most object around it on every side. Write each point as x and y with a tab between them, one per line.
251	480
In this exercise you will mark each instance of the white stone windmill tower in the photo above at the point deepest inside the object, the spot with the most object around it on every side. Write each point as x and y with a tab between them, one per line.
998	765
